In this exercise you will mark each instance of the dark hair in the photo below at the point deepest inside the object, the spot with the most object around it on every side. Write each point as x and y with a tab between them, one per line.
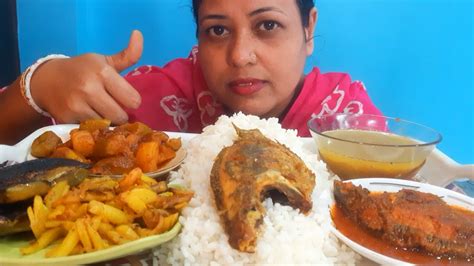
304	7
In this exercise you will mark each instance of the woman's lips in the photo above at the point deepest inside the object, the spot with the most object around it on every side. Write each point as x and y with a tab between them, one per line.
246	86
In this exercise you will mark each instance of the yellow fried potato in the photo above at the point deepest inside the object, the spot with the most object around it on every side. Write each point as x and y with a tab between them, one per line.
101	212
57	191
138	198
66	246
56	212
83	235
96	240
127	232
38	216
110	213
148	180
43	241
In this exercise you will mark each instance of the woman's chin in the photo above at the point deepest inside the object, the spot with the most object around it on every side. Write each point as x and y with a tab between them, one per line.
252	110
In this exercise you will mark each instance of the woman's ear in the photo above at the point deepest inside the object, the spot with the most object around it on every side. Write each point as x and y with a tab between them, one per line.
309	31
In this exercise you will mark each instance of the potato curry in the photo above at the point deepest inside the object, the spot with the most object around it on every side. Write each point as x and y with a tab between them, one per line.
111	151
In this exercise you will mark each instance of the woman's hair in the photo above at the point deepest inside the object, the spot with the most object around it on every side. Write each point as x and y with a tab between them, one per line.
304	7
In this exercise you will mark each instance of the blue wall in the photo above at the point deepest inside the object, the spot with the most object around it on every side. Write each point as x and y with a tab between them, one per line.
414	56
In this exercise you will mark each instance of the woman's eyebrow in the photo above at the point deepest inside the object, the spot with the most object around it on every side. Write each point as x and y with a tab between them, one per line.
265	9
253	13
212	16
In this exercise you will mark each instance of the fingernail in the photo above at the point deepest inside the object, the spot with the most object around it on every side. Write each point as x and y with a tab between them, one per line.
123	119
136	102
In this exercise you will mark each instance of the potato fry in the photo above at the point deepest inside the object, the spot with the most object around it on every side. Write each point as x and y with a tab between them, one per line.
108	231
166	223
96	240
38	216
57	191
148	180
56	212
101	212
138	198
110	213
130	179
53	223
127	232
45	239
66	246
83	235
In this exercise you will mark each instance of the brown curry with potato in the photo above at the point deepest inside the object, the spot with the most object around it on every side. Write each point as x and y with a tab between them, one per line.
111	151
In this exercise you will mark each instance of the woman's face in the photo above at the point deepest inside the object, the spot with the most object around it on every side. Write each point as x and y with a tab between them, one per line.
252	52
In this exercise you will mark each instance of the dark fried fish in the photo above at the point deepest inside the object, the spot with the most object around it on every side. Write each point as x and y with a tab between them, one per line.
410	219
25	180
13	217
246	173
19	183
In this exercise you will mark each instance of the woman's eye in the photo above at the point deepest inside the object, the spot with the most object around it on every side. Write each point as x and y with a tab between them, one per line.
268	25
217	31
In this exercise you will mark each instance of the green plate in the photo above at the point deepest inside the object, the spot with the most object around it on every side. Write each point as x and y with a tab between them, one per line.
10	250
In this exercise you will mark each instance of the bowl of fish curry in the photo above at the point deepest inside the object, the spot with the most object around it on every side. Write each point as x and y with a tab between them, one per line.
392	221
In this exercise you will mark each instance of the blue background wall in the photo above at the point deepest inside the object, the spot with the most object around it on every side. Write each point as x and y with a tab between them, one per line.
414	56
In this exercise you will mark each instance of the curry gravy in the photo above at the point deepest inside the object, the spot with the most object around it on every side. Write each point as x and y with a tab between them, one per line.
352	159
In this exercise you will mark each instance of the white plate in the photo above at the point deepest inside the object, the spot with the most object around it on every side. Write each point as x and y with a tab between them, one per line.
394	185
22	149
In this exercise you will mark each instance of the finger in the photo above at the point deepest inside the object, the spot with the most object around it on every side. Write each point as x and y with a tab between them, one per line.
89	113
74	117
128	56
106	106
121	90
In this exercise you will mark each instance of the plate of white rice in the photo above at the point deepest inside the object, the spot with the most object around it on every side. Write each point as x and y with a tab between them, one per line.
287	236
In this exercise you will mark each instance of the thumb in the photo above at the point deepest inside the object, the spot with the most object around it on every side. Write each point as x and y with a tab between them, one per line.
128	56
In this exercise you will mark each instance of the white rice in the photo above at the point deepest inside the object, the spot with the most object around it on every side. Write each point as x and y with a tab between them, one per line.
288	237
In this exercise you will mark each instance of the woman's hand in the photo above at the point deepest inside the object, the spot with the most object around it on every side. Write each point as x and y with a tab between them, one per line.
88	86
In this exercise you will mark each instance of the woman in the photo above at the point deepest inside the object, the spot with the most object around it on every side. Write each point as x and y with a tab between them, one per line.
250	57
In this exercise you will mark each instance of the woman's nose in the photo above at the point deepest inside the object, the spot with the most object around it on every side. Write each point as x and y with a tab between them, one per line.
242	51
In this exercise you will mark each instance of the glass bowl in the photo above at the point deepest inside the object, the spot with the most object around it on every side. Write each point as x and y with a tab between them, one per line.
363	145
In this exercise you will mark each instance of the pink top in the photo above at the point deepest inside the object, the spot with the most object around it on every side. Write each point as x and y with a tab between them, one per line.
176	98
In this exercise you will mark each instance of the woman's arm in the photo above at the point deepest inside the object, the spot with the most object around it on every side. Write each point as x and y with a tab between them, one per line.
18	119
72	90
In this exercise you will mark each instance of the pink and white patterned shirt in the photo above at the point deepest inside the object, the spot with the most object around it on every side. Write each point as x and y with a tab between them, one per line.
176	98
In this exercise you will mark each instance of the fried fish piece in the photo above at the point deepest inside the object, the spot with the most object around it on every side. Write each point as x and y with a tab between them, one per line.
410	219
20	183
247	172
25	180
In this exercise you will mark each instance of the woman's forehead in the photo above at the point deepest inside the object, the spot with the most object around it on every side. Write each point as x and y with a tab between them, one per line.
231	7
